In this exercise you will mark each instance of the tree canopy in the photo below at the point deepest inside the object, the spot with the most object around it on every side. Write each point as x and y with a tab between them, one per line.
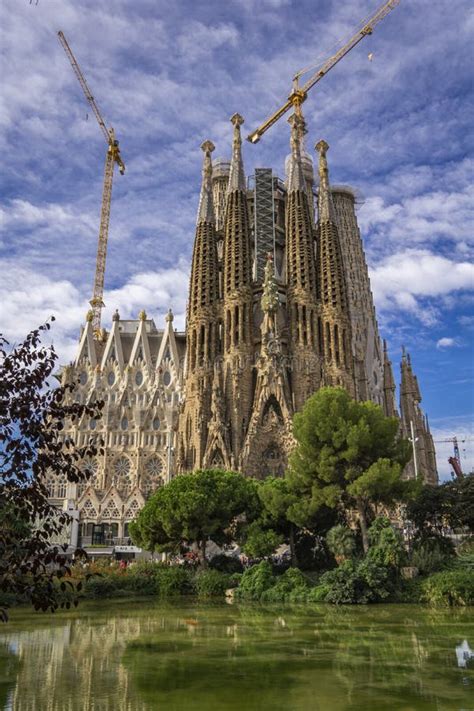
194	508
347	453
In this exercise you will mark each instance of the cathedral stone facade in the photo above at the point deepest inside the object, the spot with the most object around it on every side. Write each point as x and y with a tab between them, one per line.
280	304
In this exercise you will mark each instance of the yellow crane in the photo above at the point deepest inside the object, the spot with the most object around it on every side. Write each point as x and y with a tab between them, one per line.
299	93
113	156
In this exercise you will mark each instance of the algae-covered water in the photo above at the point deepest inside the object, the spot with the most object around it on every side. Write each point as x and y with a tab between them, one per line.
134	655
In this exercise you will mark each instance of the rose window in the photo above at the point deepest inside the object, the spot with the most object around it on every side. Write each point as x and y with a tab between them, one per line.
122	474
90	468
154	466
152	478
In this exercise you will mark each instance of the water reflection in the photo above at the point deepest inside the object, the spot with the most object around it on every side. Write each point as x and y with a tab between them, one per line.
138	656
464	654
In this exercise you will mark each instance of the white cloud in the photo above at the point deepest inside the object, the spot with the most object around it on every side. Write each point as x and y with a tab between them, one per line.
29	298
403	280
446	343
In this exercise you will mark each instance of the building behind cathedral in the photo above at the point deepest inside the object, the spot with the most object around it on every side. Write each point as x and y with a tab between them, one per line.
279	305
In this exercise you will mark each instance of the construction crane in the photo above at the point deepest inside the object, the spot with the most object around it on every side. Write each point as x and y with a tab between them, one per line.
455	461
299	94
112	157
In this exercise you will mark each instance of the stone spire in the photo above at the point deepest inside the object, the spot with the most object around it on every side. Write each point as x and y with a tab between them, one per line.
325	203
237	269
206	204
237	174
334	325
296	179
237	295
388	384
202	328
413	420
204	286
301	276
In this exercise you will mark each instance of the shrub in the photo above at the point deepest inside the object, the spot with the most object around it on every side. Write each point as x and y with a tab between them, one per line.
226	564
318	593
255	581
210	583
430	554
106	586
360	583
450	587
289	587
174	580
386	544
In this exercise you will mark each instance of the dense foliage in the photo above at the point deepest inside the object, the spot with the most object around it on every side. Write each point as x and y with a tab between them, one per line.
348	454
194	508
32	415
450	504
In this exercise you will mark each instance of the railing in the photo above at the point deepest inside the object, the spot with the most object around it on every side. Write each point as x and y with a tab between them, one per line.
86	541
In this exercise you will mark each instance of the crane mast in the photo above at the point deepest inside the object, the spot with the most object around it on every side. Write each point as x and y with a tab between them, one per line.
112	157
299	94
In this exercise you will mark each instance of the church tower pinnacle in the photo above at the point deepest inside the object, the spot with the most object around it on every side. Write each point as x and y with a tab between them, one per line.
389	407
334	327
202	333
237	296
301	276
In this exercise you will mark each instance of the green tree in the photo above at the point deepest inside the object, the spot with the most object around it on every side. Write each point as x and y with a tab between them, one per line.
277	498
347	453
194	508
451	503
341	543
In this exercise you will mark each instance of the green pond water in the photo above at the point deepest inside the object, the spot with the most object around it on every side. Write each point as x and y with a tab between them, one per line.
135	655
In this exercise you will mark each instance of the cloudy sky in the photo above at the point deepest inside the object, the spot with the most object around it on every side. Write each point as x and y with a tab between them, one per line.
167	75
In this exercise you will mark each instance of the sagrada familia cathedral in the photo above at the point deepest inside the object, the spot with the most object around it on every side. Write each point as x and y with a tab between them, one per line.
279	306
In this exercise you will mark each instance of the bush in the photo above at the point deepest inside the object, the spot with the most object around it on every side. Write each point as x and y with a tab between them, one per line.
357	583
450	587
386	544
210	583
430	554
292	586
226	563
174	580
318	593
107	586
255	581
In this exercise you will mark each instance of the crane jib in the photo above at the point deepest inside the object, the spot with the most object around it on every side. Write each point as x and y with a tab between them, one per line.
366	30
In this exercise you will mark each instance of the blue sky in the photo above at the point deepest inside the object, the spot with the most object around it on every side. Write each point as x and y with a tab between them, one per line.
169	75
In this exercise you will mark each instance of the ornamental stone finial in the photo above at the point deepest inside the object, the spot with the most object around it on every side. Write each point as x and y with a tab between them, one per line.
322	147
207	146
326	208
236	174
142	315
169	316
296	180
116	316
89	316
206	204
237	120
